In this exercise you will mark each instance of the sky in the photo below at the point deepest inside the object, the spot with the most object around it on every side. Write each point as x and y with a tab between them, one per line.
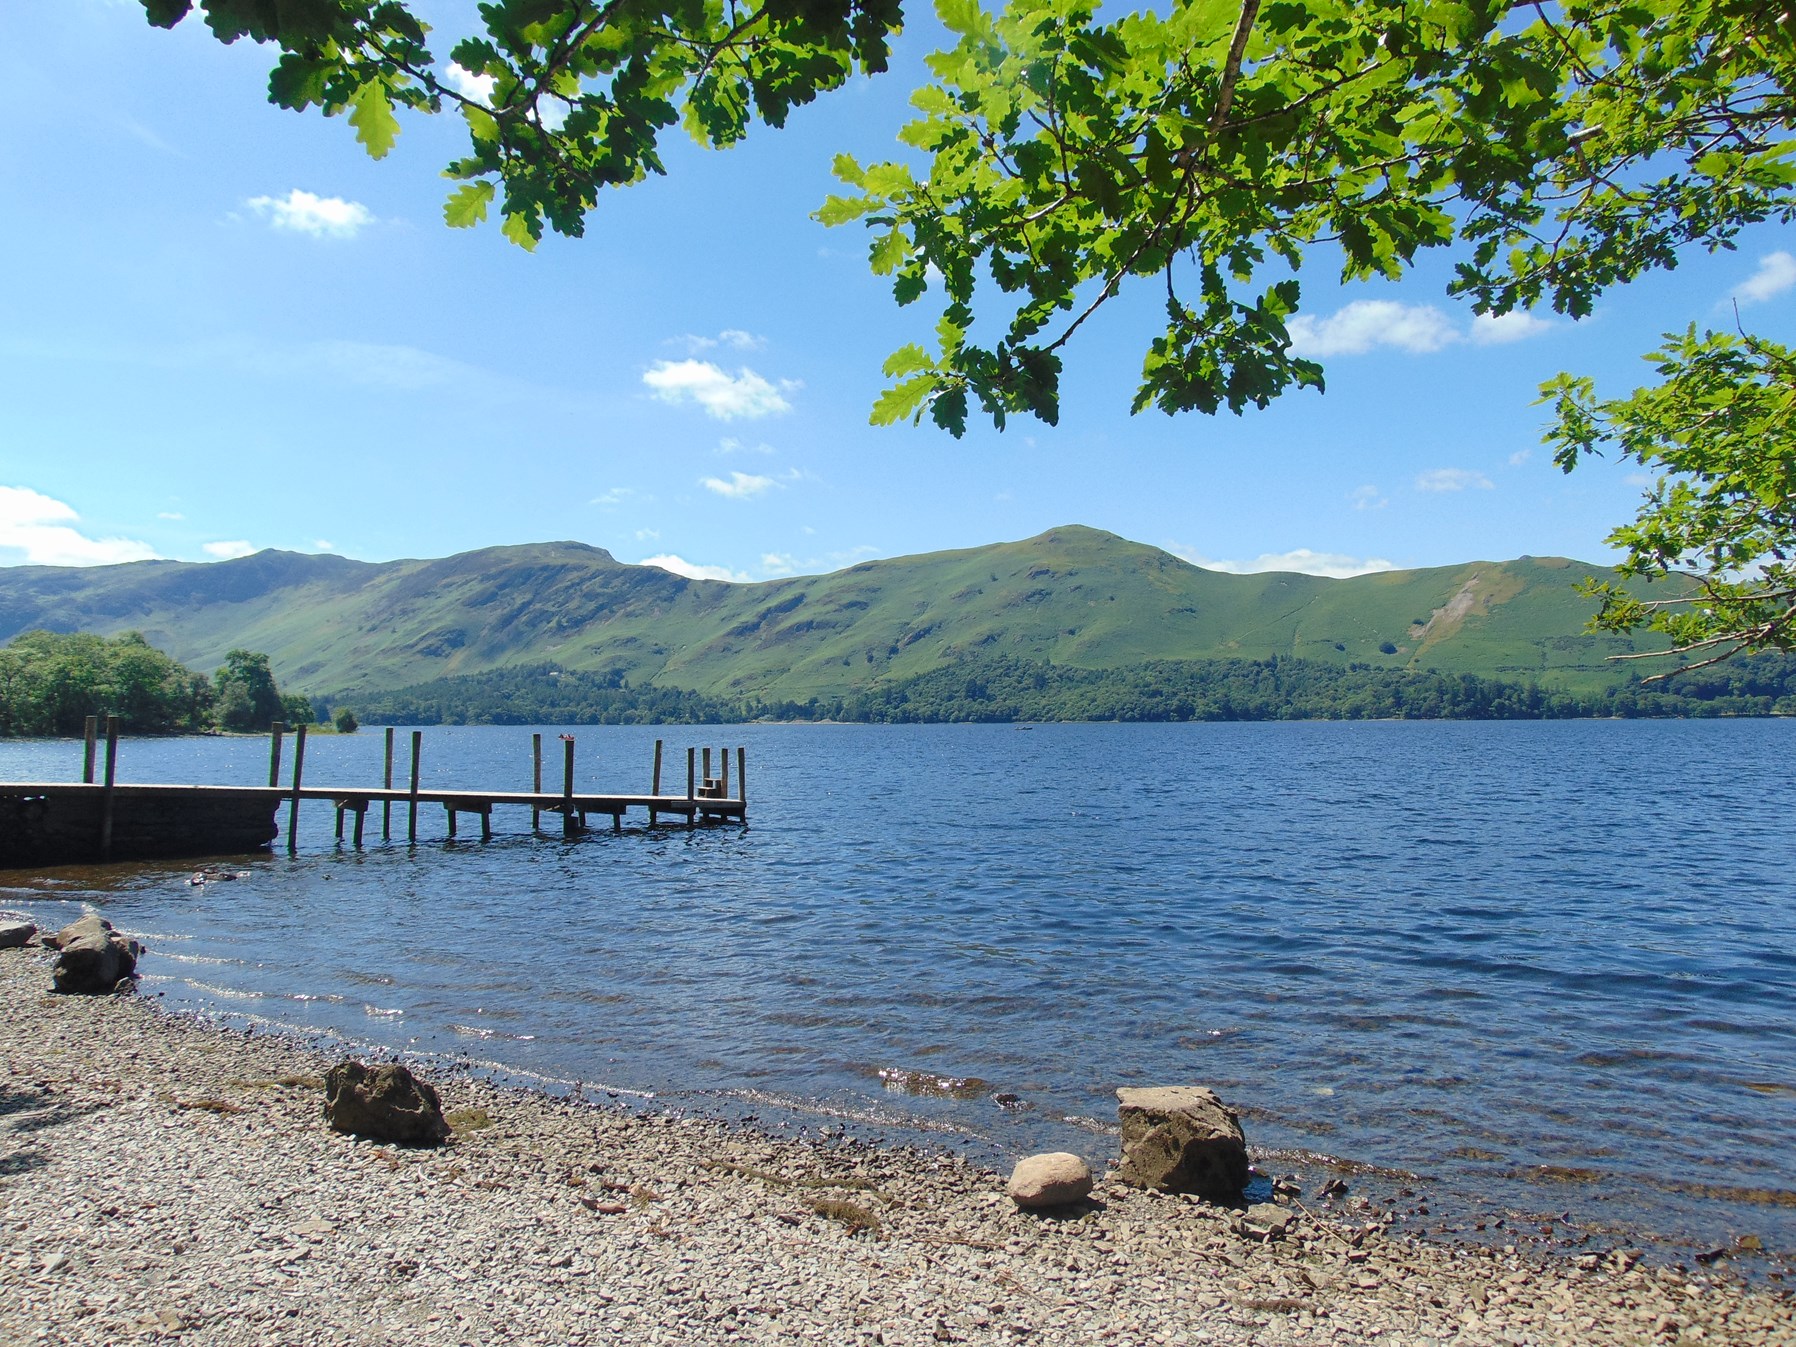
223	328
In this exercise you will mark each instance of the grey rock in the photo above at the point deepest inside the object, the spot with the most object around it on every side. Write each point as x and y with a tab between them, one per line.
92	958
383	1103
1267	1218
15	934
1182	1139
1050	1180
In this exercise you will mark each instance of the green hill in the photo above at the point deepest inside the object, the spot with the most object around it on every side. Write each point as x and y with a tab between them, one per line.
1074	597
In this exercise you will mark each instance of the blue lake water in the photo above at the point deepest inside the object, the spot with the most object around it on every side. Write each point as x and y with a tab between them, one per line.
1541	967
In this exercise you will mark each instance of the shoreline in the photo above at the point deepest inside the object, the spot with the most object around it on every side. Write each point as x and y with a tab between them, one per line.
162	1179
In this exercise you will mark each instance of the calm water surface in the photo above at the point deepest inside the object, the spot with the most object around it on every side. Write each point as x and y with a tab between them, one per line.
1538	967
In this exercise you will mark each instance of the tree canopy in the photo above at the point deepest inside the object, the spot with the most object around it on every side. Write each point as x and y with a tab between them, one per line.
1063	155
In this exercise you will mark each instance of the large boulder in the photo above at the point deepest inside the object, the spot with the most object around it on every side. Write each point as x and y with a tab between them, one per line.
16	934
91	956
383	1103
1051	1180
1182	1139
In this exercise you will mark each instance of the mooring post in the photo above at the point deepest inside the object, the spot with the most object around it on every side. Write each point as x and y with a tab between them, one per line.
536	779
411	823
691	787
569	824
655	782
361	816
106	796
742	779
386	806
91	733
275	730
705	776
340	808
299	766
723	773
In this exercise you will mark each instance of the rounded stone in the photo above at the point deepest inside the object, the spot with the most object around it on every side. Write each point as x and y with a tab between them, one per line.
1050	1180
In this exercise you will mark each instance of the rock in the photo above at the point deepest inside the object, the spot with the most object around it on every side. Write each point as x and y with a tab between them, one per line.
383	1103
1050	1180
91	956
1267	1218
1182	1139
16	934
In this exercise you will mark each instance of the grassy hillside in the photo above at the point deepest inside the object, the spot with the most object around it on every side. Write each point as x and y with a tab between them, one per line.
1073	596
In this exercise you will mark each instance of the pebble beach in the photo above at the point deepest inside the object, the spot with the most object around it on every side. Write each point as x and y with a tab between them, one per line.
167	1180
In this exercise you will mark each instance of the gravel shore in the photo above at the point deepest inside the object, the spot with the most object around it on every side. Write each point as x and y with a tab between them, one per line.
162	1180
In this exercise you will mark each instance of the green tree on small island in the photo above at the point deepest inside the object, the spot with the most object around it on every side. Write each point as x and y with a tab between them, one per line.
1065	155
345	721
247	697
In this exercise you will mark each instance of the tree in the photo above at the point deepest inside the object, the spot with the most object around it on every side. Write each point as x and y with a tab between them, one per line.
50	682
345	721
247	696
1063	157
1722	426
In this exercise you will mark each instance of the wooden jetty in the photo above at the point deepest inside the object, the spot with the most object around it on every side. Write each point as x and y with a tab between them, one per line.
52	823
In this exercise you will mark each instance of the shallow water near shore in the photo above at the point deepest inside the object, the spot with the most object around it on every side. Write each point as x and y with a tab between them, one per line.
1541	967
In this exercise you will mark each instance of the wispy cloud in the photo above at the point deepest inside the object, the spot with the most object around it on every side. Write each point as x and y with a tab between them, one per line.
41	529
228	551
1519	457
1500	329
744	395
1370	324
694	570
1367	324
1304	561
648	535
778	563
733	337
1367	498
731	445
477	88
1452	479
738	486
1776	274
612	497
319	216
170	514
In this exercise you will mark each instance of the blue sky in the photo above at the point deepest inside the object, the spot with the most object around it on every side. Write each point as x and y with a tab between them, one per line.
223	328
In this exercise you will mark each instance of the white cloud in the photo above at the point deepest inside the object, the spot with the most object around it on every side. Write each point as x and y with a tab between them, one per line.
1368	323
41	527
731	445
475	88
1333	565
171	514
226	551
1367	498
1644	480
1452	479
315	215
324	545
694	571
779	563
1491	329
737	339
747	394
612	496
740	486
1519	457
1776	274
648	535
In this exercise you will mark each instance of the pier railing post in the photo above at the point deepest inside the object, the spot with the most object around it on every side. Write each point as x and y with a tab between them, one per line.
90	733
106	797
655	782
411	822
723	773
299	767
569	824
742	779
386	806
536	779
275	731
691	787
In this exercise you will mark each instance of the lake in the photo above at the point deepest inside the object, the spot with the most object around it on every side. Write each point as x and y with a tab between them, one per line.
1521	969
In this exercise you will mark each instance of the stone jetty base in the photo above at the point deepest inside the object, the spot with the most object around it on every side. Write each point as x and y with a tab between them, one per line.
165	1182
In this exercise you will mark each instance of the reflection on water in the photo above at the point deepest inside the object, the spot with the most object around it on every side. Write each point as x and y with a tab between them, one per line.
1541	964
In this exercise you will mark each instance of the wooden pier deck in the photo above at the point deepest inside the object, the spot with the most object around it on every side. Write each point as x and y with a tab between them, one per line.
46	823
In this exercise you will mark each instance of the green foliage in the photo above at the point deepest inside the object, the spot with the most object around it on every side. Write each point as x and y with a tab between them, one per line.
1721	426
1002	690
247	696
50	682
296	709
345	721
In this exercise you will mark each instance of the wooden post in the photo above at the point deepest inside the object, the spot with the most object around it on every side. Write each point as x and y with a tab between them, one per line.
723	773
106	798
742	779
486	822
536	778
299	766
340	807
91	733
361	815
386	806
691	768
449	809
705	775
655	781
569	824
411	824
275	731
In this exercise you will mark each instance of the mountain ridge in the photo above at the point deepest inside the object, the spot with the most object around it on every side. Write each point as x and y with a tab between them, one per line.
1071	595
